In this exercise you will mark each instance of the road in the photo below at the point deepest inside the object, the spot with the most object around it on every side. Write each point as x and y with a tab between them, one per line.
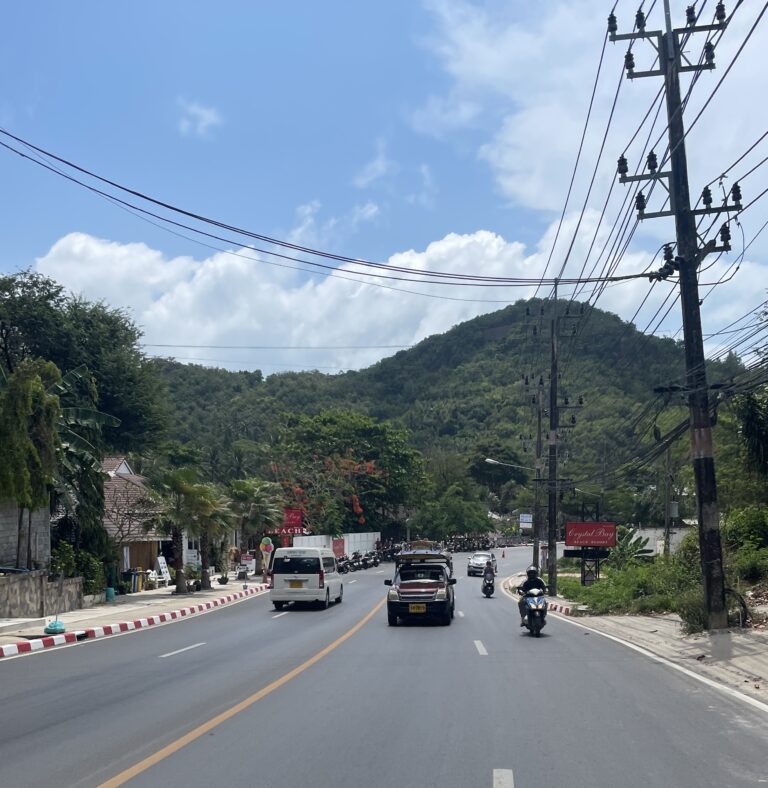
478	703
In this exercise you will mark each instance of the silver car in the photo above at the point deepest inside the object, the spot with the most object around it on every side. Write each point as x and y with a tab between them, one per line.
477	562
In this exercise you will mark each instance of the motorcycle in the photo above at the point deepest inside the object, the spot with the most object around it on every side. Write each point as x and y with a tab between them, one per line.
535	610
343	564
488	587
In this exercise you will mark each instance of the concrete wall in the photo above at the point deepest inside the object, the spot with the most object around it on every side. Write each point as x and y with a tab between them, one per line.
655	538
30	595
41	536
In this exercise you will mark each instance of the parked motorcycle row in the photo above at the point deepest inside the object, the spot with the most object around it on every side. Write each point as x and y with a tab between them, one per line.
358	561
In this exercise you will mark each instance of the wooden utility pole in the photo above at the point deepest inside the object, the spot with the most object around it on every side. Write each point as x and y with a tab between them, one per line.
552	440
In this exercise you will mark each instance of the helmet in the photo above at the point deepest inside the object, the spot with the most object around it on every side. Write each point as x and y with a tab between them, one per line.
532	571
487	563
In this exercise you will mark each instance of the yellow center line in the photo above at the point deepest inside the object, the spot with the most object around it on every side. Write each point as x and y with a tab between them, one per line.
201	730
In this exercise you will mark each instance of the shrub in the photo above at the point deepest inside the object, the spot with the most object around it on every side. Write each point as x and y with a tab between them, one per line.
689	605
63	560
749	564
654	603
92	572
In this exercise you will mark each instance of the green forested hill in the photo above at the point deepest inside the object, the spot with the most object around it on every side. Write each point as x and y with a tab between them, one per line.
458	390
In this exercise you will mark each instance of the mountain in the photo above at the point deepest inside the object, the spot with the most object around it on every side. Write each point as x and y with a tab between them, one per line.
465	387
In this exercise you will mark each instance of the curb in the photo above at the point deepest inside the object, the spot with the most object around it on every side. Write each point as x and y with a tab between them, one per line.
51	641
552	607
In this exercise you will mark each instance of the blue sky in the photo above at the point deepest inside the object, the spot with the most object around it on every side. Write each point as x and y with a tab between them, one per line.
440	134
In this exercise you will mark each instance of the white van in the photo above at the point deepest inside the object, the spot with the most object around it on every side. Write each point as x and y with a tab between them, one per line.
305	574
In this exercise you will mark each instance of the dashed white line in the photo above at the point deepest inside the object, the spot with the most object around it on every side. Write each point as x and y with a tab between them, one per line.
284	613
503	778
460	614
380	571
179	651
481	648
351	581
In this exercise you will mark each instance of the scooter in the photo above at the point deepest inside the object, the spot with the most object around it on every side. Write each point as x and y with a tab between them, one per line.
535	610
488	587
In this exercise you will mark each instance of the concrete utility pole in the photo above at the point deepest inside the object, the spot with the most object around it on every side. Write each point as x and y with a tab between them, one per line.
686	263
537	529
552	440
667	498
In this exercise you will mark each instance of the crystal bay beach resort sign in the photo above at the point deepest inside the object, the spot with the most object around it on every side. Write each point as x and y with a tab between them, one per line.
590	535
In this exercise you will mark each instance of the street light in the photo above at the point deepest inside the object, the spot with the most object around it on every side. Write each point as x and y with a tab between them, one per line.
491	461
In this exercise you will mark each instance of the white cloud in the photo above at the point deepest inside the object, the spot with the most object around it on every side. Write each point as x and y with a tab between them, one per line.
310	229
197	120
378	167
232	299
425	195
441	115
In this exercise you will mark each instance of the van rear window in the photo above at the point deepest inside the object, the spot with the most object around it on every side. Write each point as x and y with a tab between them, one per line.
285	565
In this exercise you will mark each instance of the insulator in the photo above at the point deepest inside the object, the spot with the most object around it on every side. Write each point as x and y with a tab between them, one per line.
565	400
668	253
640	202
709	53
653	162
725	234
533	400
622	168
573	419
736	192
706	196
667	269
678	262
629	61
690	15
612	24
640	20
581	400
720	12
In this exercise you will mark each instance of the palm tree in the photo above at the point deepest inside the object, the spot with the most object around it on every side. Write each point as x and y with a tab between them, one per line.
257	504
214	521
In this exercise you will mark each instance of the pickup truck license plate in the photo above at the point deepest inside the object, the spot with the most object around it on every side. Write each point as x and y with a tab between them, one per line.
294	583
417	608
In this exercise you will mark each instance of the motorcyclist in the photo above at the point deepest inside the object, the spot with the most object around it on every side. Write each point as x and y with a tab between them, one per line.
488	573
533	581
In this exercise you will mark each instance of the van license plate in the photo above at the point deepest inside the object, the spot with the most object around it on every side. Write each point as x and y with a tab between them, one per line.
295	583
417	608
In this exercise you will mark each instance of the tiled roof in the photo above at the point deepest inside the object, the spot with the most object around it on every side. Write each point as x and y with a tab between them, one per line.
127	508
111	465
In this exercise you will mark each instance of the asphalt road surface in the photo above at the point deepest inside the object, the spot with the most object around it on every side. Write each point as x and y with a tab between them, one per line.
308	697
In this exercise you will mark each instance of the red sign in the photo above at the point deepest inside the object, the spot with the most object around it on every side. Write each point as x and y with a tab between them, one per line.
291	519
291	530
338	546
590	535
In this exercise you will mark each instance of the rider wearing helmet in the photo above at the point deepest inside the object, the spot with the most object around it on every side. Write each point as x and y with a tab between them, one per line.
488	573
533	581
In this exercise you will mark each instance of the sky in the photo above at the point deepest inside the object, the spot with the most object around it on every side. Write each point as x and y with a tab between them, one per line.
431	134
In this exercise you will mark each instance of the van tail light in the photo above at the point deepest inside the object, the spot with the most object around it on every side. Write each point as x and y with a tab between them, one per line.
322	579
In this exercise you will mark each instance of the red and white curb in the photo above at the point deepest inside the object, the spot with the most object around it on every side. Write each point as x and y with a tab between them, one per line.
555	607
38	644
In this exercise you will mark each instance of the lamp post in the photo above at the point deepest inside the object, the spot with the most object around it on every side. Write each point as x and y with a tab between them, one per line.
537	471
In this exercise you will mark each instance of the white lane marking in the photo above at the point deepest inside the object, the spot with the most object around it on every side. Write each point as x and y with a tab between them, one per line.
352	581
481	648
380	572
460	614
503	778
284	613
179	651
662	661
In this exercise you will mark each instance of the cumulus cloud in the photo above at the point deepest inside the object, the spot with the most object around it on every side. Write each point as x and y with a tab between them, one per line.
196	119
236	298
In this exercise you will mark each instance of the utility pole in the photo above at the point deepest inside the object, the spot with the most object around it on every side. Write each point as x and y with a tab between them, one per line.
552	440
686	263
537	529
667	498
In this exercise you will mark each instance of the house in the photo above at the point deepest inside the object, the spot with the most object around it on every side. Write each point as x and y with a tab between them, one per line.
128	511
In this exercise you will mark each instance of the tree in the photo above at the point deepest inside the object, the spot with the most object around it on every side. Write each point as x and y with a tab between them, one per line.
257	505
181	501
29	417
214	520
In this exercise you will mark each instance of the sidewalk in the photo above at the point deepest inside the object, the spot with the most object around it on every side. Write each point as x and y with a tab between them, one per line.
126	613
737	659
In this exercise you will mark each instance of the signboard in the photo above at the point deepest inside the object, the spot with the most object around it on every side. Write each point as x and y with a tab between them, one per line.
593	553
248	562
161	567
291	519
526	522
590	535
338	546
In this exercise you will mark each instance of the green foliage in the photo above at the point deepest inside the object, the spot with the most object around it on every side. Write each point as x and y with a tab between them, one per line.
630	549
63	560
90	568
692	610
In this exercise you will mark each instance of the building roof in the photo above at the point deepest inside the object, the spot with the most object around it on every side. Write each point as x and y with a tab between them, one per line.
116	466
128	508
